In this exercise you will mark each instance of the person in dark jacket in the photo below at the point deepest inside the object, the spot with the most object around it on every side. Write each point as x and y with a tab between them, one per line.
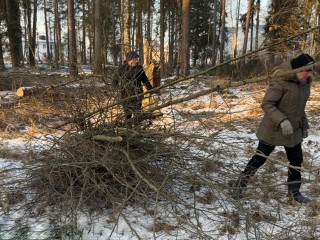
130	82
284	124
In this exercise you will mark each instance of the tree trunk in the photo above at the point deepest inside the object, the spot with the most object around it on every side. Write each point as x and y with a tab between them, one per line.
235	50
177	40
147	45
246	34
83	43
185	46
214	32
251	27
46	29
223	29
2	18
315	36
2	65
34	33
306	22
14	31
57	29
139	38
98	50
162	34
73	71
171	33
29	34
257	10
125	8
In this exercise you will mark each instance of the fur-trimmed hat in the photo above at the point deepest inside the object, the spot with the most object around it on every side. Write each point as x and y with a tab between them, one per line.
302	60
131	55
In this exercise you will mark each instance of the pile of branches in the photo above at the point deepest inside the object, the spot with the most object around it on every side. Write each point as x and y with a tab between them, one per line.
98	158
99	173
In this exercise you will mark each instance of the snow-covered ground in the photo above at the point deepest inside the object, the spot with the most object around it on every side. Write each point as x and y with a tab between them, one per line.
222	131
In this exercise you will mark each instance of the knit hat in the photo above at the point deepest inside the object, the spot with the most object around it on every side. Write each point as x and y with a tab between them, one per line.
302	60
131	55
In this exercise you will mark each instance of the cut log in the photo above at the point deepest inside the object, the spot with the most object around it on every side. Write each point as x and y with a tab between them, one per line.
28	91
104	138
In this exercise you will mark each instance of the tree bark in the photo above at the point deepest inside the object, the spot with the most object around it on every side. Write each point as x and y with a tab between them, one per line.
98	50
246	34
73	71
185	46
139	37
162	34
57	29
257	10
47	34
223	29
214	32
125	28
14	31
83	43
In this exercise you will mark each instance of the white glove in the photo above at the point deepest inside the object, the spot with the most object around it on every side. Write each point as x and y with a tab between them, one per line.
305	133
286	127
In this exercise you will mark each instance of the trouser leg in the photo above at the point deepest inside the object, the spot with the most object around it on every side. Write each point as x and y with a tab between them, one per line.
295	158
262	152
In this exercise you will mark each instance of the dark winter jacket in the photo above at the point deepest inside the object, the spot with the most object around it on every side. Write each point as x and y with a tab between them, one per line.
131	80
285	98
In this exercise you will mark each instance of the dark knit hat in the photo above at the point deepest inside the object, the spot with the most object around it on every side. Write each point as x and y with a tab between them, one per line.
302	60
131	55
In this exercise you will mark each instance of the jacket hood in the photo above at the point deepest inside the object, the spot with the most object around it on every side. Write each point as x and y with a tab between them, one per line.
286	66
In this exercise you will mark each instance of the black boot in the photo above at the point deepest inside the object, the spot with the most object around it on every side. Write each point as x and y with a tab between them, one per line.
298	197
295	194
240	186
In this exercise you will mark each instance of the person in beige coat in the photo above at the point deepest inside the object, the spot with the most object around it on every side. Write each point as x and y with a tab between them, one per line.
284	124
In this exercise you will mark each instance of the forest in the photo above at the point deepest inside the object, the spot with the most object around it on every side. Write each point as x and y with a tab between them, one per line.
73	167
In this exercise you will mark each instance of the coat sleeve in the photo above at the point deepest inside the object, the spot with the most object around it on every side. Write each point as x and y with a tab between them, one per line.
270	102
144	79
304	122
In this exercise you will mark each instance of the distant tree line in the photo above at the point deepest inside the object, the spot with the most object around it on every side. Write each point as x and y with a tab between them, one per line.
174	32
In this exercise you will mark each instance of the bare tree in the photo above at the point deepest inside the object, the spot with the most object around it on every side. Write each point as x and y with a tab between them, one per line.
139	37
235	50
148	33
171	32
14	31
83	41
57	34
185	44
2	18
223	29
72	53
125	31
46	29
315	36
98	50
162	33
247	28
257	11
31	30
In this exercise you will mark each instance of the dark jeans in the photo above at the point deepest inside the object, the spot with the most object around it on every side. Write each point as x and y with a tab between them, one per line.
294	156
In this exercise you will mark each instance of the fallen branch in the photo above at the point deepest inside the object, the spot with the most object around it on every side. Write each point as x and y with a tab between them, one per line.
105	138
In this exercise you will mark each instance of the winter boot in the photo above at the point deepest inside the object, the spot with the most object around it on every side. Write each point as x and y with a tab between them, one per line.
294	193
240	186
298	197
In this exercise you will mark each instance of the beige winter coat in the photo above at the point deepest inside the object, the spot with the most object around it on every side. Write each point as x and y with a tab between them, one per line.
285	98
